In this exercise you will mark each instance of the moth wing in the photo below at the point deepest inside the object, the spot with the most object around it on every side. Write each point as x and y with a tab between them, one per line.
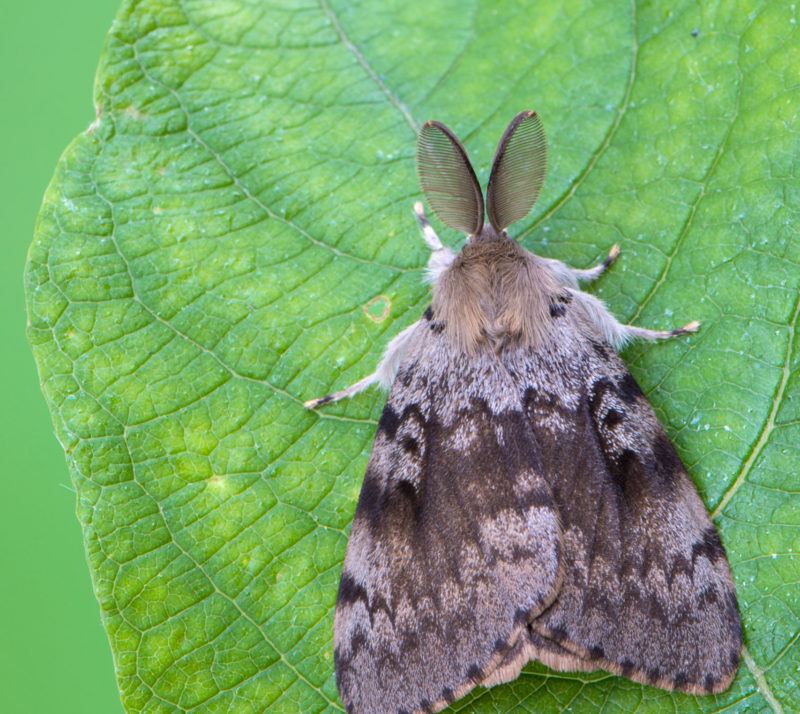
533	646
647	589
448	179
518	171
455	542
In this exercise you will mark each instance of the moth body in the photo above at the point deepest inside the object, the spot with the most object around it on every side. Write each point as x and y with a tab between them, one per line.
495	293
522	501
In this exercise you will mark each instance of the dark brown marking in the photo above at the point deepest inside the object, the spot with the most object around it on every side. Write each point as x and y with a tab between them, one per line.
410	445
537	402
735	654
407	491
474	673
600	349
557	310
680	680
536	498
350	590
624	473
389	422
732	608
409	640
710	547
357	641
628	389
612	418
597	392
708	596
680	565
521	616
370	499
559	634
666	457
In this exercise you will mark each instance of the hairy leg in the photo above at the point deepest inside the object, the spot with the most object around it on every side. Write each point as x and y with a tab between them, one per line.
615	332
383	375
441	257
570	276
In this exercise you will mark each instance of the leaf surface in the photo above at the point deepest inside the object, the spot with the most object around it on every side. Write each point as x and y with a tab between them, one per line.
234	236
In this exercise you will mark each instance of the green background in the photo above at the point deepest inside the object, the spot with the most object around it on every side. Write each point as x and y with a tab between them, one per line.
54	654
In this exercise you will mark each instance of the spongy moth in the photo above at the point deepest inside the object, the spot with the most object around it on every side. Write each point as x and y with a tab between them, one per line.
522	501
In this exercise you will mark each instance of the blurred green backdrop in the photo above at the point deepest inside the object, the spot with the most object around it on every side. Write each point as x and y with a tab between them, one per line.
54	655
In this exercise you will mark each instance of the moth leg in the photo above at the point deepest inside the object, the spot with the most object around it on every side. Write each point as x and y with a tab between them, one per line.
441	255
600	268
383	375
570	276
615	332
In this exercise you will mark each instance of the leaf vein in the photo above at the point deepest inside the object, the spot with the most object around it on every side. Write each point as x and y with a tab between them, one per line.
395	100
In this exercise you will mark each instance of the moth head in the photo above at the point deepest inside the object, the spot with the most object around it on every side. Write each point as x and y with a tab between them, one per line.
452	189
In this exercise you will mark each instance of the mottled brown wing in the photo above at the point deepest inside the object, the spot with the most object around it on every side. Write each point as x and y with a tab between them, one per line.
647	589
455	543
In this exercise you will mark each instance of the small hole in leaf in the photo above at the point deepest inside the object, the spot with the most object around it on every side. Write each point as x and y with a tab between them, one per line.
377	309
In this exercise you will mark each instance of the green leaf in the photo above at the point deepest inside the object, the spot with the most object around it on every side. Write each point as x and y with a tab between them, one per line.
234	236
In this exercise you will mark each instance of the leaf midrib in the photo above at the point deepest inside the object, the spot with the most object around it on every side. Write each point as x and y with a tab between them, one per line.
393	98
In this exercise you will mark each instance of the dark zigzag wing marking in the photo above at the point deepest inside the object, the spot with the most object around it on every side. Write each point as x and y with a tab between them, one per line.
647	591
455	542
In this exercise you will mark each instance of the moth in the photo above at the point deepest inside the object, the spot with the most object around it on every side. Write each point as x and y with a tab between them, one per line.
522	501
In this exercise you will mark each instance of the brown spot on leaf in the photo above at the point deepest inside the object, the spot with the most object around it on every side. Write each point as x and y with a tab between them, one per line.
377	309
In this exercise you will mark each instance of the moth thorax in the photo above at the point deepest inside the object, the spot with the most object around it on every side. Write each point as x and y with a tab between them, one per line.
495	294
